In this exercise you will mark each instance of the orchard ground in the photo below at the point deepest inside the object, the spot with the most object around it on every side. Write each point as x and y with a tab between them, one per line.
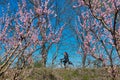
59	74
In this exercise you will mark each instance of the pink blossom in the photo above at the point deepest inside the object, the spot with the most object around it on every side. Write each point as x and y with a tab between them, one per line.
57	39
49	36
93	49
41	42
111	41
54	41
24	3
26	18
118	3
119	30
0	36
7	22
108	21
34	37
38	10
30	60
60	31
103	14
17	29
21	33
86	45
101	56
46	10
21	12
13	42
110	36
81	2
78	52
31	12
89	37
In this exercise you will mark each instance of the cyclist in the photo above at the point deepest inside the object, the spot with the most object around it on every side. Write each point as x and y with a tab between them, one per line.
65	60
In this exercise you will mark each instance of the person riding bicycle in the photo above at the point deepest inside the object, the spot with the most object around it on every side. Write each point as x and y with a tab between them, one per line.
65	60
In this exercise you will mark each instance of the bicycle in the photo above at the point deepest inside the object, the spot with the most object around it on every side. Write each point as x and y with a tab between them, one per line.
66	63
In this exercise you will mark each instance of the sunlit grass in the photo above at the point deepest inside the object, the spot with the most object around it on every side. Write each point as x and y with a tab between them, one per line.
60	74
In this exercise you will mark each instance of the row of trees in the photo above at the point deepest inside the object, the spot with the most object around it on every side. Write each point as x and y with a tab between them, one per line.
27	31
98	31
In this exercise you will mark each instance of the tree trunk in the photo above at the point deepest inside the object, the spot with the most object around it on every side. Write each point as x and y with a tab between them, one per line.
84	60
44	56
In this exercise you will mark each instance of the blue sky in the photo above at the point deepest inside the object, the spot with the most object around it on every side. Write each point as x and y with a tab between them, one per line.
65	15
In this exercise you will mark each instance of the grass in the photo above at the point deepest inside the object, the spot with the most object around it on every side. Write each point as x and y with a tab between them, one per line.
59	74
